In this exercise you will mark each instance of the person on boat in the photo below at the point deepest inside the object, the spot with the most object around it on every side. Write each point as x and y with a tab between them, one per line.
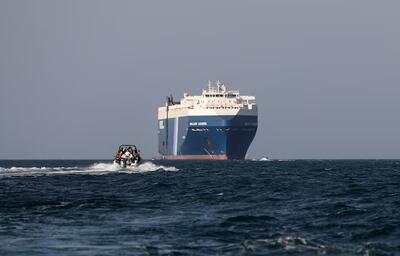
118	156
129	155
136	155
130	151
124	153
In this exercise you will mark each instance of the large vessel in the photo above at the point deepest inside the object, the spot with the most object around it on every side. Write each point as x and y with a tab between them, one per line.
220	124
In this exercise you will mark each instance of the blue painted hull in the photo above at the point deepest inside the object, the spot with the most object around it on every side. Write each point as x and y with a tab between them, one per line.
206	137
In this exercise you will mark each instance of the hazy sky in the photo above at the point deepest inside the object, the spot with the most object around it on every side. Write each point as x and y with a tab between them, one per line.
77	78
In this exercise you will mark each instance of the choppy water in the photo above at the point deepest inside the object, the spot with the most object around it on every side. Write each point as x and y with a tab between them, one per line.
200	208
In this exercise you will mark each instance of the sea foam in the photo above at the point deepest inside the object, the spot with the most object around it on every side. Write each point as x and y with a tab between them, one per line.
95	169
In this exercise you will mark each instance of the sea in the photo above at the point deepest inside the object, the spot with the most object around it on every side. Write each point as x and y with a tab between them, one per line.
279	207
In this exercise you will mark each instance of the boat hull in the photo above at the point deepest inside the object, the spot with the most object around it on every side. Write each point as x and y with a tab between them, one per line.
206	137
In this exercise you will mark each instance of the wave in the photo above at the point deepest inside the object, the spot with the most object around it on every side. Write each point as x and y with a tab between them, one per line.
297	244
144	167
288	243
95	169
271	160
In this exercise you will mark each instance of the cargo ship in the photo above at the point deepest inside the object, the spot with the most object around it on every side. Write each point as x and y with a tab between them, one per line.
219	124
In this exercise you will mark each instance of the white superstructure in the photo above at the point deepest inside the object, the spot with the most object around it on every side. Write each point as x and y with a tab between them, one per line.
215	100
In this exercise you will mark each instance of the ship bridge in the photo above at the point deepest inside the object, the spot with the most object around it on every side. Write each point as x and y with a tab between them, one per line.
217	96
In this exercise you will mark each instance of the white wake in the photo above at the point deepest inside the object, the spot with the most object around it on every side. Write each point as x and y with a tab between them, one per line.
95	169
144	167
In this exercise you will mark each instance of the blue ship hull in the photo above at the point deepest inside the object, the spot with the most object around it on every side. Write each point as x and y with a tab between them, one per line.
206	137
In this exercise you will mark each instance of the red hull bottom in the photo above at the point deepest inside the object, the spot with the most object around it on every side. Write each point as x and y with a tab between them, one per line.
195	157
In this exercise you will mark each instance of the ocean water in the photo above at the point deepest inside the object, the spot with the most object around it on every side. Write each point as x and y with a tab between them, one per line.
200	208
